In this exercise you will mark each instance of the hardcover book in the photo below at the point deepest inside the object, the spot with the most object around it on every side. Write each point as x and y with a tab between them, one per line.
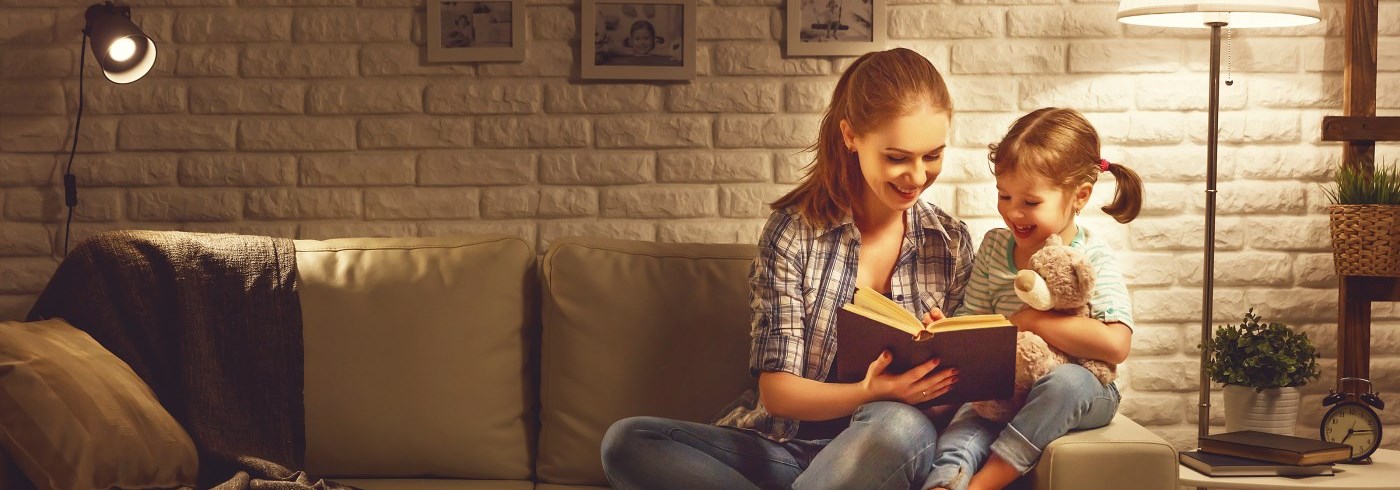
1220	465
981	347
1275	448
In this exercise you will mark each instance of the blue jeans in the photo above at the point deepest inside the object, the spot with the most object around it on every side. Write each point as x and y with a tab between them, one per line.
1068	398
888	445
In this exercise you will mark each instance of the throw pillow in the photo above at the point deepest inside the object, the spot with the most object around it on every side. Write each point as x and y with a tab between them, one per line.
74	416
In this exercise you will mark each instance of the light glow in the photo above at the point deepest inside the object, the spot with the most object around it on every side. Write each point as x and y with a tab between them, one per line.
122	49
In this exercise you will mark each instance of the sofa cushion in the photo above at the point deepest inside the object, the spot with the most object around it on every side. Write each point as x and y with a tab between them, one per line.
73	415
10	476
437	484
636	328
417	356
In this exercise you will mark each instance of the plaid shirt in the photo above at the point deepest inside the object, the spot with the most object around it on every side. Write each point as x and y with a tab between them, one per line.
803	274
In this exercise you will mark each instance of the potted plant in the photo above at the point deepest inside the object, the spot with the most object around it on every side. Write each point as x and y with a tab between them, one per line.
1261	366
1365	221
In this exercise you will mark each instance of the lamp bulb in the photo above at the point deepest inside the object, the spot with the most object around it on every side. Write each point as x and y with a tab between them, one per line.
122	49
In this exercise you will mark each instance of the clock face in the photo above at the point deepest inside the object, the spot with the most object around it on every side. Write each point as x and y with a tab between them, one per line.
1355	425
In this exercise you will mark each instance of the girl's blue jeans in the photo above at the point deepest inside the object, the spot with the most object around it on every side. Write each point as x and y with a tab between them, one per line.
1068	398
889	445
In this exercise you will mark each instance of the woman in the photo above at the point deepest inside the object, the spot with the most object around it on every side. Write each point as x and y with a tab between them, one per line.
855	220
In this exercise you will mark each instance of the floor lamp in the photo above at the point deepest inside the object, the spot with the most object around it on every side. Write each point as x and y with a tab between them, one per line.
1214	15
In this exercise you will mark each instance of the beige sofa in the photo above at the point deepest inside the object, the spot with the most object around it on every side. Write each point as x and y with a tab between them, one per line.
466	363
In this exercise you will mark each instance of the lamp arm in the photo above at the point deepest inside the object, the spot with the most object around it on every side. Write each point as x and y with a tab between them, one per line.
70	182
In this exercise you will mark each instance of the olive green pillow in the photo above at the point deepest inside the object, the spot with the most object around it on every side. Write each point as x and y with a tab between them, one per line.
74	416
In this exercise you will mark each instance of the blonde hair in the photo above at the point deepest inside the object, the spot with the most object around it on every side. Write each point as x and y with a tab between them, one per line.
878	87
1061	145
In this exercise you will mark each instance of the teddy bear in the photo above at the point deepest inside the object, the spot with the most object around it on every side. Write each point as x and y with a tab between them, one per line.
1060	278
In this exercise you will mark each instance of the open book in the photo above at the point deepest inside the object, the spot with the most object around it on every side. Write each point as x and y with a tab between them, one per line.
981	347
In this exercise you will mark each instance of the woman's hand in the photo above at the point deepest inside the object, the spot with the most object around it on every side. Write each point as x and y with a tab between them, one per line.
914	386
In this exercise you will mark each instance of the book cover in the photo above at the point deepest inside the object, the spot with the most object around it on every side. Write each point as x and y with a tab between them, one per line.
1275	448
1220	465
981	347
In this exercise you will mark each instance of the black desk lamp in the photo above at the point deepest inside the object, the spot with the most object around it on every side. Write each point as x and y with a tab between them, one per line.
125	54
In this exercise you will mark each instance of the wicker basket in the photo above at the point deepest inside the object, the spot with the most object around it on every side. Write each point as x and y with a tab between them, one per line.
1366	239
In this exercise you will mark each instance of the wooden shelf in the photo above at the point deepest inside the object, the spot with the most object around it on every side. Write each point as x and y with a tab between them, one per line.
1357	128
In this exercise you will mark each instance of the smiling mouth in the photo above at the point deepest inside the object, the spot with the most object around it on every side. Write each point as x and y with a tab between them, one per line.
1023	231
905	191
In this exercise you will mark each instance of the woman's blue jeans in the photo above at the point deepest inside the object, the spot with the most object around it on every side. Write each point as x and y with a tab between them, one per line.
889	445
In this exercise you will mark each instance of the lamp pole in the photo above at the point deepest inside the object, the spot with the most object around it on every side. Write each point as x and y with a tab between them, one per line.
1208	269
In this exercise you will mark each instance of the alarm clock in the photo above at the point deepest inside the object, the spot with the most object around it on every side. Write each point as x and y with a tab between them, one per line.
1353	422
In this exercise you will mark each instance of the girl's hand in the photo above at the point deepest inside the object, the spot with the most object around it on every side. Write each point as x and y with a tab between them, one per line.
1025	319
933	316
941	415
917	385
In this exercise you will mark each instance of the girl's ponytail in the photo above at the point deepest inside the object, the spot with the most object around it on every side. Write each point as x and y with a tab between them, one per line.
1127	200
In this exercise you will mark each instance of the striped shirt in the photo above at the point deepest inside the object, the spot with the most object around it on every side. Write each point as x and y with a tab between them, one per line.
994	271
804	273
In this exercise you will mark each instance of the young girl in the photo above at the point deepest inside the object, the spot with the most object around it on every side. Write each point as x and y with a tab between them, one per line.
855	220
1045	168
642	38
462	35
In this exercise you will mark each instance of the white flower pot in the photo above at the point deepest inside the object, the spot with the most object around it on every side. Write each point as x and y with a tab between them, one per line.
1273	410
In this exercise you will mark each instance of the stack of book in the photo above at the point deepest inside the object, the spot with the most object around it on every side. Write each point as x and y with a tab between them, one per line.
1252	453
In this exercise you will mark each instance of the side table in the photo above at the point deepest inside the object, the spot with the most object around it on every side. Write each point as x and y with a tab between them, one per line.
1383	472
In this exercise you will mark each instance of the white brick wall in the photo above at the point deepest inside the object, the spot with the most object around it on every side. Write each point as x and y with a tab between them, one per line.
319	118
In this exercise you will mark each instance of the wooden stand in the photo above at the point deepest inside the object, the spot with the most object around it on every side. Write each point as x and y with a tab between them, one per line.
1355	295
1360	129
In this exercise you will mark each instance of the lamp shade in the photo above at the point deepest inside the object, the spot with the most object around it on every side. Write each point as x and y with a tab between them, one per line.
1235	13
122	50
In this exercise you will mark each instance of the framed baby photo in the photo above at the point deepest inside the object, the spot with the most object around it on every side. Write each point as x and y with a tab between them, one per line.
835	27
476	31
637	39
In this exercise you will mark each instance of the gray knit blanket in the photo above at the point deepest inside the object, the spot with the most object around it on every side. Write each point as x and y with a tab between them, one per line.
212	323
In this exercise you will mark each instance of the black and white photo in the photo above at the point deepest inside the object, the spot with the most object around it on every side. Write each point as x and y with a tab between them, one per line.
475	31
646	40
835	27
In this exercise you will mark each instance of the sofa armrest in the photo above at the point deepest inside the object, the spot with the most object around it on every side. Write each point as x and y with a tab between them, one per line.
1106	458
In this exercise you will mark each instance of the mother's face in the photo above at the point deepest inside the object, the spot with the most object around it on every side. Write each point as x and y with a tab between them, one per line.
900	159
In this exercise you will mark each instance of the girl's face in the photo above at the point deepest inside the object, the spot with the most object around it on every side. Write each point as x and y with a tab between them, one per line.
899	160
1033	207
643	41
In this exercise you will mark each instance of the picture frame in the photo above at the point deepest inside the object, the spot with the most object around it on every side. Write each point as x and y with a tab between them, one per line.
476	30
835	27
638	39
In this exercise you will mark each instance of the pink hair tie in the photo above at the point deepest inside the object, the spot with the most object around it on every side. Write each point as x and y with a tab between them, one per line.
1103	165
